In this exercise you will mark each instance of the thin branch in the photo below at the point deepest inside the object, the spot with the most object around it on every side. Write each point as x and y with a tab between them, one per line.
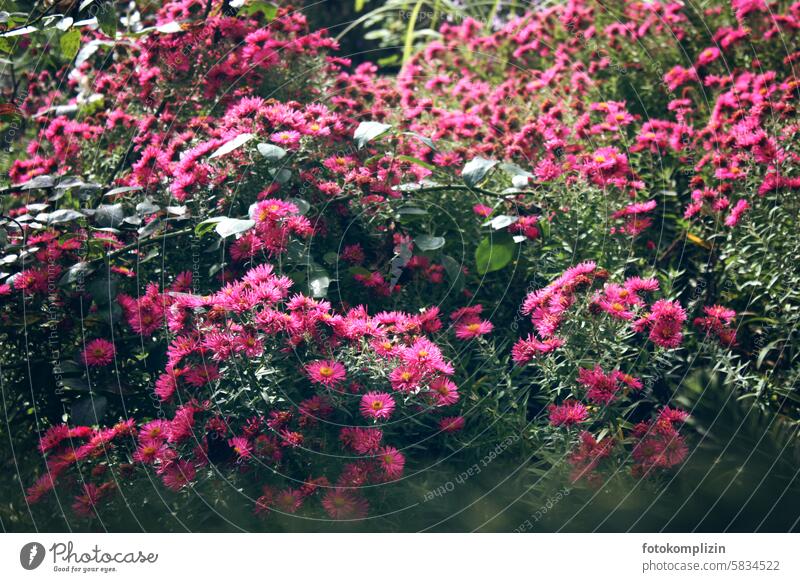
141	244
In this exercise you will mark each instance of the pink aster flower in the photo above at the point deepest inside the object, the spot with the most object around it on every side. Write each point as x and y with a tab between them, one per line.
53	437
569	413
288	500
526	349
361	440
286	138
667	319
98	352
344	504
391	461
445	391
178	474
708	56
377	405
736	213
241	446
472	329
326	372
405	378
425	354
602	388
482	210
451	423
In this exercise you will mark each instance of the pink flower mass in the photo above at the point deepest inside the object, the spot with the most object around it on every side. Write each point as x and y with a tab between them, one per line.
246	267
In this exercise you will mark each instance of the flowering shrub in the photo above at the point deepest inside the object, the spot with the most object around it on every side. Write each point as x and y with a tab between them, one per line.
240	258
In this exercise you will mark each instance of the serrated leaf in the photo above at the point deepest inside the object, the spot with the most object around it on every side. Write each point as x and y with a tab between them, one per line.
476	169
368	131
494	252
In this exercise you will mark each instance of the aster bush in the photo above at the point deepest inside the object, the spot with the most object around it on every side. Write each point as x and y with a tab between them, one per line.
243	272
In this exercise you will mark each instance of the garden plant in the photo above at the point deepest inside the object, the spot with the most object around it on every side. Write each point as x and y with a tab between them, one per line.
536	270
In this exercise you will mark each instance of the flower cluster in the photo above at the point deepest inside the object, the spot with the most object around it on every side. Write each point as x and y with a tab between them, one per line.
293	270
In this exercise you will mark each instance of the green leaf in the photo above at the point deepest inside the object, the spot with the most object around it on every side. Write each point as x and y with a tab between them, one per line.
88	410
231	145
519	177
318	281
426	140
107	19
410	212
302	205
77	384
268	9
271	152
103	290
230	226
59	216
368	131
501	221
76	272
109	215
476	169
454	273
417	161
426	242
408	44
224	226
494	252
70	43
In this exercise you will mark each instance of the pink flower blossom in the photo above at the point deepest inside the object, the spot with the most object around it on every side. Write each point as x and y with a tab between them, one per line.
569	413
98	352
326	372
377	405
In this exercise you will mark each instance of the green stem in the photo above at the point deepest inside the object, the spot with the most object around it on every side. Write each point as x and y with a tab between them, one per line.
412	22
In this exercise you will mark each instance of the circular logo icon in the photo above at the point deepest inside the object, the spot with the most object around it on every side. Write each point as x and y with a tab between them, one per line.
31	555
